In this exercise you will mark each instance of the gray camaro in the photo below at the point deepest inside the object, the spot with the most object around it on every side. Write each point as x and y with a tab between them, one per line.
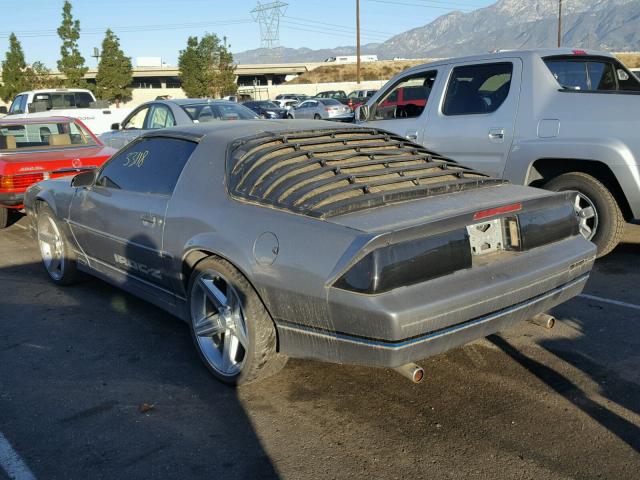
278	239
170	113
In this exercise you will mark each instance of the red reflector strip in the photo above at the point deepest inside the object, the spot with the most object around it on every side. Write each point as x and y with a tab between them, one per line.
497	211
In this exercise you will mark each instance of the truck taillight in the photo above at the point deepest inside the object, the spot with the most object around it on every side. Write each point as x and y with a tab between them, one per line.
12	182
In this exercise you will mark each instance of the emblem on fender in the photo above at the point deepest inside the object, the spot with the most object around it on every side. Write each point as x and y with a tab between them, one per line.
138	267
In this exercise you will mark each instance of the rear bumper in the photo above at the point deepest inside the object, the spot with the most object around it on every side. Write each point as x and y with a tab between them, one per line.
336	347
415	322
11	199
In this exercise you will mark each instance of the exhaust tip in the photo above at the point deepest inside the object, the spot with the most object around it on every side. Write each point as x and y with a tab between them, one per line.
412	371
543	320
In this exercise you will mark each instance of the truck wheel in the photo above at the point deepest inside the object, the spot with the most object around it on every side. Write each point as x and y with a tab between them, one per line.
601	220
58	256
4	217
232	330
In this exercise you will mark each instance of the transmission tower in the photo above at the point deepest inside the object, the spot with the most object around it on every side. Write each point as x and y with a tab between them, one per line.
268	17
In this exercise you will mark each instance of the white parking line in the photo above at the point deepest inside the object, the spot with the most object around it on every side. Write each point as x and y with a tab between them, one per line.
612	302
11	462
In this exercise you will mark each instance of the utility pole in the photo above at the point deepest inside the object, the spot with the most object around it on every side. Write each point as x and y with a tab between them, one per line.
358	42
559	23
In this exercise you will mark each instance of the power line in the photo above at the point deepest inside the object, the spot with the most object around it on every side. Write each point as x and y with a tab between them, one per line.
336	25
407	4
337	29
126	29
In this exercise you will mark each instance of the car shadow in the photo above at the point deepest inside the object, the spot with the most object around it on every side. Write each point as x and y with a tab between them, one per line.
619	426
98	384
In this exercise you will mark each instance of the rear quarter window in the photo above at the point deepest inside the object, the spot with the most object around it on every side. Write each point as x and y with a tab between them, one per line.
151	165
591	74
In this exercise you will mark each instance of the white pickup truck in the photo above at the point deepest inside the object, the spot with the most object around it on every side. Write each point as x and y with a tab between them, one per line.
67	102
560	119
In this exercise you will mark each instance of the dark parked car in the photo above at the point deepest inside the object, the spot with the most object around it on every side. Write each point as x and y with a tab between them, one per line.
169	113
359	97
339	95
267	109
276	239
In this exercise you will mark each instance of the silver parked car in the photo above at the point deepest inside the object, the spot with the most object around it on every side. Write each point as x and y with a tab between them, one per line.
323	109
278	239
169	113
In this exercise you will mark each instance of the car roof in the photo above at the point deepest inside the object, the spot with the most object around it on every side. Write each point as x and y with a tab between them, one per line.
231	131
504	54
192	101
28	121
56	90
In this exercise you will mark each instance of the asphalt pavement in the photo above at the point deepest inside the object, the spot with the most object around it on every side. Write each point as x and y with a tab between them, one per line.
97	384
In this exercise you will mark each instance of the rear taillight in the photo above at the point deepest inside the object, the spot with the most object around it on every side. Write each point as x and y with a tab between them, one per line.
408	263
579	52
514	207
13	182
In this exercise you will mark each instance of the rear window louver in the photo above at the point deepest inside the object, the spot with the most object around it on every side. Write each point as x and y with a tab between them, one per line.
323	173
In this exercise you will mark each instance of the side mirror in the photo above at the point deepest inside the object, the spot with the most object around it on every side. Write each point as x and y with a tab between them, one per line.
3	110
84	179
362	113
115	126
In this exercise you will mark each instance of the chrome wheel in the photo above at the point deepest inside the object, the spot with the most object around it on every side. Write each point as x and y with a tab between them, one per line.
587	215
51	246
218	323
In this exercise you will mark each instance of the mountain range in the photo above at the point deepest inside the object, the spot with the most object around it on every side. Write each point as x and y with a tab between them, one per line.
612	25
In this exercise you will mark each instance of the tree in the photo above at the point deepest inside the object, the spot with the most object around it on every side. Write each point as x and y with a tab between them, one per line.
114	71
226	72
206	68
13	81
195	69
37	75
71	62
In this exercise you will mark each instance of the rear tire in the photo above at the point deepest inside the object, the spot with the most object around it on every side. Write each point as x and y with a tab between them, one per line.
58	256
606	227
317	117
232	331
4	217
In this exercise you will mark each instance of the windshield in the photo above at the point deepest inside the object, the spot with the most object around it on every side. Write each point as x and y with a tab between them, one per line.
19	137
329	101
268	105
206	112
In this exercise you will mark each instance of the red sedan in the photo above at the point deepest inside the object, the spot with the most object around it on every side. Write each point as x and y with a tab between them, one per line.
36	149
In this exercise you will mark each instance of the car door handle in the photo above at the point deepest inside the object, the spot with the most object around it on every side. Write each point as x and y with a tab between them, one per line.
148	219
496	133
412	135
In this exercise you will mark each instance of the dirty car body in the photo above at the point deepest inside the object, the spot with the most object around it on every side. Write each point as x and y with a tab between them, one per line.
363	247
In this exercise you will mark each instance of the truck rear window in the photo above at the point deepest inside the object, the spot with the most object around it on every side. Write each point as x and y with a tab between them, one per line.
591	74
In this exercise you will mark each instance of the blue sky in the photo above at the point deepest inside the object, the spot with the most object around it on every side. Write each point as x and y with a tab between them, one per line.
161	27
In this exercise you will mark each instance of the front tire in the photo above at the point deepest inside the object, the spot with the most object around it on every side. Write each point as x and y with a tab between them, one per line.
58	256
231	329
601	220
